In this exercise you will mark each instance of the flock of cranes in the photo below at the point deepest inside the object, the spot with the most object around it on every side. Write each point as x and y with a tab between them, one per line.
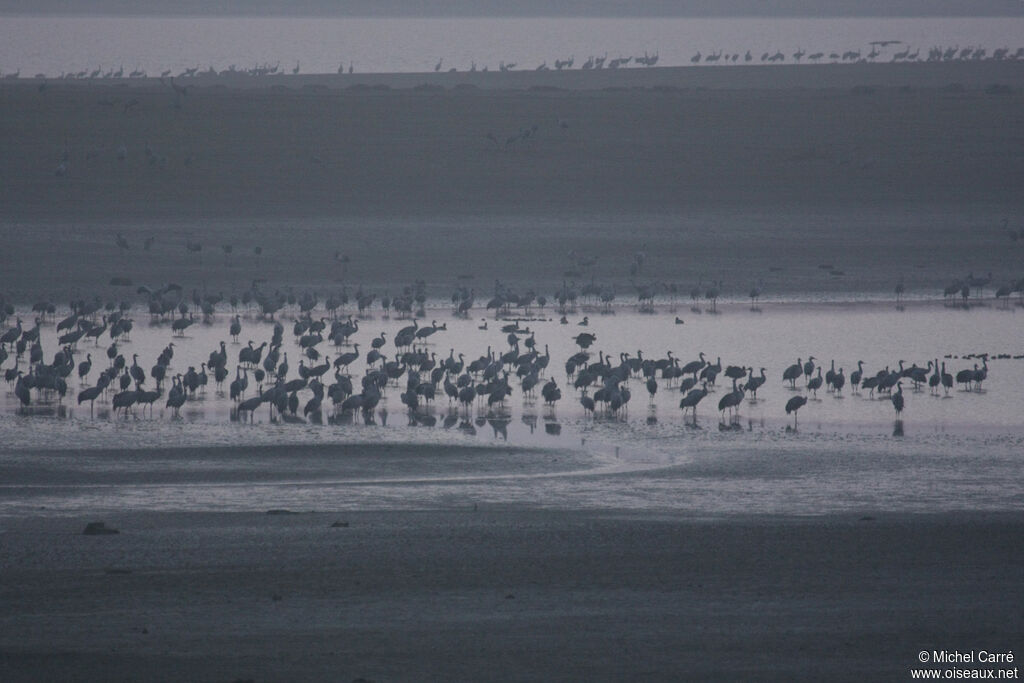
336	370
117	74
363	370
963	288
934	376
875	51
592	63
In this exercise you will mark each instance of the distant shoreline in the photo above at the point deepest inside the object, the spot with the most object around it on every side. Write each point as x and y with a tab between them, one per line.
966	74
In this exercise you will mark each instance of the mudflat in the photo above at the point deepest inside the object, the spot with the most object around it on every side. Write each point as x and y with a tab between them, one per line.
313	150
720	172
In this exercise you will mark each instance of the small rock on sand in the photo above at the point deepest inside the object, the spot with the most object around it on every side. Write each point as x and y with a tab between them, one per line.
99	529
340	525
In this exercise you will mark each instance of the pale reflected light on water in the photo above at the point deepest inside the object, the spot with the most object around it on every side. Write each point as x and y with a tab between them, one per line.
960	451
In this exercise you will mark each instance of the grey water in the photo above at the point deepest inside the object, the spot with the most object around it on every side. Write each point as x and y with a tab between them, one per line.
54	45
848	452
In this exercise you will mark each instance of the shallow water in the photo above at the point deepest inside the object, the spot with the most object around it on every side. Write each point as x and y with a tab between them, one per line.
769	335
849	453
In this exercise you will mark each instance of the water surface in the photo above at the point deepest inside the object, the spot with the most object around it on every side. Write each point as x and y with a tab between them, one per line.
959	451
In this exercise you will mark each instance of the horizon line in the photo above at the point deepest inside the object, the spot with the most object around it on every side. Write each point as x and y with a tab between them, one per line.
466	15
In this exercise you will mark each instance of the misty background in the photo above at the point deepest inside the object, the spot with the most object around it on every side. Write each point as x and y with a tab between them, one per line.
521	8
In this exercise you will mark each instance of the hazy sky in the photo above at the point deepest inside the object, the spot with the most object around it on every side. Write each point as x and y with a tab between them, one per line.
523	7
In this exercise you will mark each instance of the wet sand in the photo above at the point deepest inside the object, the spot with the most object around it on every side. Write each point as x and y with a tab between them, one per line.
502	595
285	151
813	138
472	586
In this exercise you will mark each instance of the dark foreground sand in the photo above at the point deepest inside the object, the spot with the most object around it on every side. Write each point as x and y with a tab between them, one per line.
503	595
719	173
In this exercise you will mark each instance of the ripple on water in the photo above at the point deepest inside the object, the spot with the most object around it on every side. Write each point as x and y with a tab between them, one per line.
956	452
